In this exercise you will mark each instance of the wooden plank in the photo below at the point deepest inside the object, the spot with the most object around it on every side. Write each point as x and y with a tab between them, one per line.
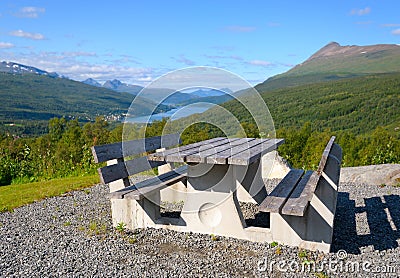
107	152
222	157
201	155
301	195
161	156
124	169
147	186
254	153
161	183
181	156
275	201
325	155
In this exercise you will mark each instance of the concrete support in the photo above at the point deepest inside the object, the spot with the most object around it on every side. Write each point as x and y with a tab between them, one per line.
211	204
118	184
136	214
250	186
274	166
173	193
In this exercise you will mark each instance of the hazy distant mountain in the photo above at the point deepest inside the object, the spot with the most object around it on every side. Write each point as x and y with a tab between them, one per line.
118	86
15	68
92	82
334	61
113	84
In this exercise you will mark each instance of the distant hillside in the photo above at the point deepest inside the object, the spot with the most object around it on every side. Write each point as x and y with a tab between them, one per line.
334	61
357	105
39	97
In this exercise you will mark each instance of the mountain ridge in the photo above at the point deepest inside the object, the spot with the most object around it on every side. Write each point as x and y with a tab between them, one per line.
16	68
334	61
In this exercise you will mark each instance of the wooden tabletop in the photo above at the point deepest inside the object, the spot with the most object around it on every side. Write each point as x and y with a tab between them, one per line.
221	150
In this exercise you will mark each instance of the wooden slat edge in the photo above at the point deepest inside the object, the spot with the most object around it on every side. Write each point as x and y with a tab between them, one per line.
112	172
325	154
102	153
141	192
107	152
304	190
122	192
291	179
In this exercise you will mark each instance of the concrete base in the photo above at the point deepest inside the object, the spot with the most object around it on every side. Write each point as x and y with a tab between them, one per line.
211	204
174	193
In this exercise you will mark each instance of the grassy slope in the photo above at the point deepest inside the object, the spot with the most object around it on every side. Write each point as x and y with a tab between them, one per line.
338	67
16	195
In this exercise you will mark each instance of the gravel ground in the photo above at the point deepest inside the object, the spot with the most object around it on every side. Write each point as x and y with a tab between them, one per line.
72	236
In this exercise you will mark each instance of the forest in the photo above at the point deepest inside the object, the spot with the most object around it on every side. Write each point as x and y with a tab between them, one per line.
362	112
65	149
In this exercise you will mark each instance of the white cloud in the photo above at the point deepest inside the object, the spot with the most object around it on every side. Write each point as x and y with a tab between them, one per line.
30	12
364	22
396	32
28	35
240	29
360	12
4	45
73	67
182	59
391	25
260	63
233	57
79	54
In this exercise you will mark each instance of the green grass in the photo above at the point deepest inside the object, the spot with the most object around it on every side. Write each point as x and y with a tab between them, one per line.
16	195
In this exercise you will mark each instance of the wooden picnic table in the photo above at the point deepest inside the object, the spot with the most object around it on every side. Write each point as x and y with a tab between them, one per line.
217	175
218	169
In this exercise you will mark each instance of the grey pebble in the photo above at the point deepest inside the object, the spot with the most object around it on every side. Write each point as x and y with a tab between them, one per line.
72	236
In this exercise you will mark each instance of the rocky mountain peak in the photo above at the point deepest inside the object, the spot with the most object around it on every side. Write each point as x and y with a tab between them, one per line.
112	84
15	68
92	82
334	49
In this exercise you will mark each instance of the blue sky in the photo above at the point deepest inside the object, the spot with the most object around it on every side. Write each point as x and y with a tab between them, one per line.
138	41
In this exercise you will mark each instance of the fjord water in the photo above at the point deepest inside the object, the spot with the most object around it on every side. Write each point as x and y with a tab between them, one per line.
174	114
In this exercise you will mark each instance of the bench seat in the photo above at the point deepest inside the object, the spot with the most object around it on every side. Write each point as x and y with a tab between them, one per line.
277	198
139	190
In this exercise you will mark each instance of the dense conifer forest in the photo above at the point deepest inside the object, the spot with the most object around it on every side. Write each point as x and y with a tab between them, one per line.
363	113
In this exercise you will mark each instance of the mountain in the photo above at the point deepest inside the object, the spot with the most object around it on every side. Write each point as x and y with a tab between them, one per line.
334	61
118	86
91	82
30	97
113	84
15	68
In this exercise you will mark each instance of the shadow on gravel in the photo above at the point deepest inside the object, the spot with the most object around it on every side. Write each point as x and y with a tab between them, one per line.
374	223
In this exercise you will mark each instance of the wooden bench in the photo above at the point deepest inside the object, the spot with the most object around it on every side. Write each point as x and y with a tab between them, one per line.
303	204
121	165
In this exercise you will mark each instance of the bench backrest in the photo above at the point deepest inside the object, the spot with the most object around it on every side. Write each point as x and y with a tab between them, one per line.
322	183
328	174
118	152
